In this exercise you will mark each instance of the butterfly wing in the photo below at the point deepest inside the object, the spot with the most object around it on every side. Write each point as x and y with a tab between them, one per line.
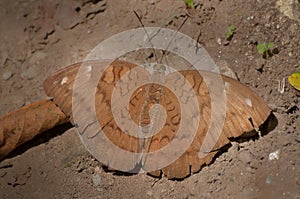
59	86
245	111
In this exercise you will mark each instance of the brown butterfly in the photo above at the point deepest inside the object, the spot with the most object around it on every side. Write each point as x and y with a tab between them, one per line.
245	111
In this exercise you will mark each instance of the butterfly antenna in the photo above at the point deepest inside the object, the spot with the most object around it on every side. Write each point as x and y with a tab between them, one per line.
186	18
148	36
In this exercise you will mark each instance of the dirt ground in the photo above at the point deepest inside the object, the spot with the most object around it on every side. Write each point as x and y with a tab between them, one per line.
39	37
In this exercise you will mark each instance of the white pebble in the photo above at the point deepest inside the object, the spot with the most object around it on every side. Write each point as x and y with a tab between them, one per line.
274	155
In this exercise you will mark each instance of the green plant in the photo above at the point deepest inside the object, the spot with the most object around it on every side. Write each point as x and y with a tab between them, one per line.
264	49
230	32
190	3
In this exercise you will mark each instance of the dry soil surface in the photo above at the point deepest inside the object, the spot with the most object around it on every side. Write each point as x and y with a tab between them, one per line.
39	37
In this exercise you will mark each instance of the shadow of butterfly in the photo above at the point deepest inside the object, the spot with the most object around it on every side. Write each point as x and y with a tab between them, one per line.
245	112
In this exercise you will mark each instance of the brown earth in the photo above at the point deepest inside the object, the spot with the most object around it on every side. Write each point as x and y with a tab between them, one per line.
39	37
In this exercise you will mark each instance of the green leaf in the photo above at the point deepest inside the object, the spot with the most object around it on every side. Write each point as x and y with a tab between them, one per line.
270	45
264	49
190	3
261	47
230	32
231	28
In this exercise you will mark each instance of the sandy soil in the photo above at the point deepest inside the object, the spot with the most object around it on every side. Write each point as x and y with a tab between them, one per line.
39	37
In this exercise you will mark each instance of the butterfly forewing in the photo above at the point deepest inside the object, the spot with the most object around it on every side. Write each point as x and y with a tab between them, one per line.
59	86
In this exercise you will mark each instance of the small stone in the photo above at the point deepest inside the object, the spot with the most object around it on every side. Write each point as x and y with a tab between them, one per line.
250	169
274	155
66	15
234	148
97	169
219	41
153	1
250	18
3	58
245	156
149	193
36	57
30	73
185	196
259	64
290	8
18	100
96	180
226	42
111	182
16	85
6	75
268	180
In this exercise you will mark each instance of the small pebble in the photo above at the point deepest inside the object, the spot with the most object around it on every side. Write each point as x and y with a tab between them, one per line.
274	155
16	85
219	41
245	156
250	18
18	100
30	73
259	64
149	193
268	180
6	75
250	170
97	169
36	57
96	180
3	59
111	182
